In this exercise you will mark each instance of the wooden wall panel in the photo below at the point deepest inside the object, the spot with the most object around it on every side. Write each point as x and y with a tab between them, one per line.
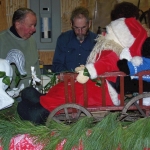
100	10
46	57
66	8
11	6
3	20
7	8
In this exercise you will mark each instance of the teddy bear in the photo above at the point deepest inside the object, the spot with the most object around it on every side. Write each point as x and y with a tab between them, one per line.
6	72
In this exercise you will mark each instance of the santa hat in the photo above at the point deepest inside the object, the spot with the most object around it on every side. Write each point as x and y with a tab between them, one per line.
130	35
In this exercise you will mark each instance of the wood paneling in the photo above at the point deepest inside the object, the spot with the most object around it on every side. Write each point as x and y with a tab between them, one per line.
7	8
11	7
3	20
46	57
101	14
66	8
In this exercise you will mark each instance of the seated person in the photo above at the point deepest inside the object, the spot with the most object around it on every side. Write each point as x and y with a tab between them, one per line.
74	46
20	37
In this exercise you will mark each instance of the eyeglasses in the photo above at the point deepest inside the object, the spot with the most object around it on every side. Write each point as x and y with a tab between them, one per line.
79	28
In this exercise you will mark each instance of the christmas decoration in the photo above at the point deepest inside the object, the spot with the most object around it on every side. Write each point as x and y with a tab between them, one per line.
85	134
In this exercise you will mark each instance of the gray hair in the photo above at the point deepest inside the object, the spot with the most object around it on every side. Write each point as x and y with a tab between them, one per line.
20	14
80	12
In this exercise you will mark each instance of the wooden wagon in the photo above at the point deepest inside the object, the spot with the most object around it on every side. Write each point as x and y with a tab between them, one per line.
131	110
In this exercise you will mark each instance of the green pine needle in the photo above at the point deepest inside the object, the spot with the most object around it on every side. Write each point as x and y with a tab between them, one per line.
101	131
108	134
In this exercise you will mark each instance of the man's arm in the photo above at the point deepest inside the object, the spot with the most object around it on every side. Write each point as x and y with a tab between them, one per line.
59	57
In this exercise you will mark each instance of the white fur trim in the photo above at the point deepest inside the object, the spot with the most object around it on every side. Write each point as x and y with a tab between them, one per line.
113	94
125	54
122	32
137	61
92	71
110	34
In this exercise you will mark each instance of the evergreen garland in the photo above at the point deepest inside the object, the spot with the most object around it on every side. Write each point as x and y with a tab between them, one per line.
137	135
99	138
108	134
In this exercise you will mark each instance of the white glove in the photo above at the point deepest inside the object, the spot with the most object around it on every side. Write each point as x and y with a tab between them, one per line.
81	67
81	78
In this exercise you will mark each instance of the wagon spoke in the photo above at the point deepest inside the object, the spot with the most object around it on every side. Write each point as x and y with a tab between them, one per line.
66	113
140	110
55	119
133	110
78	114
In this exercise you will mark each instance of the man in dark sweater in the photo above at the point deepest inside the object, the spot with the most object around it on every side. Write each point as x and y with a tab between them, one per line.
74	46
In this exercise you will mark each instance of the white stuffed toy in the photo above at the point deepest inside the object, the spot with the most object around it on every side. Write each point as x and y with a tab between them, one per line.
6	71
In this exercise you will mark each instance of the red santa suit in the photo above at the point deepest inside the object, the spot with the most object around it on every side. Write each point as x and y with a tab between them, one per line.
124	39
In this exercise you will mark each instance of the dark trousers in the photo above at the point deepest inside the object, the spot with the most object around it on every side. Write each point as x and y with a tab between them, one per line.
29	108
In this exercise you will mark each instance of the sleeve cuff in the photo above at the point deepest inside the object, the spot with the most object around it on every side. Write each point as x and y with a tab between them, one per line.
125	54
92	71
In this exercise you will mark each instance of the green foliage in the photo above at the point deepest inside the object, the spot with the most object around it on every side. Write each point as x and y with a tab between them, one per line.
108	134
137	135
52	82
53	79
86	72
77	132
2	74
97	80
18	77
102	132
5	79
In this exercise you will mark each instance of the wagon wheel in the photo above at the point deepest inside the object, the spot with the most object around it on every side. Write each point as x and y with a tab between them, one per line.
128	115
68	113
